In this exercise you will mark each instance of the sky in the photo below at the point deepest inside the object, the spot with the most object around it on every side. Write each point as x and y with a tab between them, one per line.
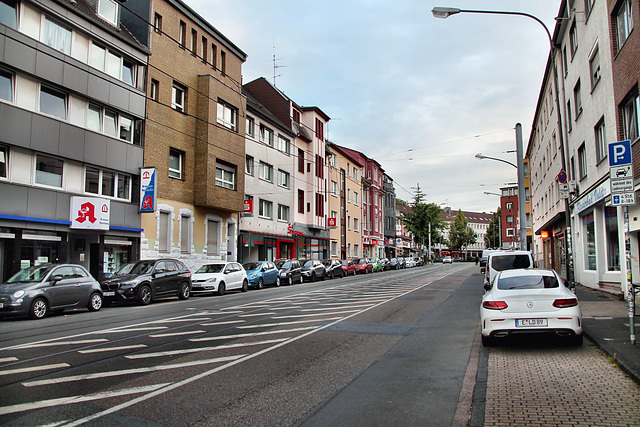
420	95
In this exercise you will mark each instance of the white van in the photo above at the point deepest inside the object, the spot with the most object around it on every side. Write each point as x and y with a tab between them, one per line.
485	257
506	260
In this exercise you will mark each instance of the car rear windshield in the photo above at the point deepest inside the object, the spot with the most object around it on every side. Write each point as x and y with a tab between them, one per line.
211	268
510	262
528	282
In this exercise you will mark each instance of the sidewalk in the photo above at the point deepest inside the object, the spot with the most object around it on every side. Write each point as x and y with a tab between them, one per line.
606	323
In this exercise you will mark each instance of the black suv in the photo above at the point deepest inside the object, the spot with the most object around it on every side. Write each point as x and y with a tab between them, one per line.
290	271
145	280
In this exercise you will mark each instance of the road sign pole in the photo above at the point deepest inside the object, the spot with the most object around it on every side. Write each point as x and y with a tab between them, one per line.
628	283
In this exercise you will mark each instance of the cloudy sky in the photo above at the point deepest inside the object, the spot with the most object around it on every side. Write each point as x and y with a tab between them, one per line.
420	95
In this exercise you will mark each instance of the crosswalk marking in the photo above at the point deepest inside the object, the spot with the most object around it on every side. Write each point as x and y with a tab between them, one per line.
102	350
175	334
252	334
34	369
197	350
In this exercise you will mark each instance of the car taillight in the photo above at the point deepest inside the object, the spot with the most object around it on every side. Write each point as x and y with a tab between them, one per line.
494	305
565	303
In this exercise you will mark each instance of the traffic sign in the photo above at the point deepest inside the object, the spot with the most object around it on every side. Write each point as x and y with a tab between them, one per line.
625	171
562	177
622	185
625	199
620	153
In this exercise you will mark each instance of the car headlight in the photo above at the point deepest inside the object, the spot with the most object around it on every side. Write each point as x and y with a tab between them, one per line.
212	280
18	294
133	282
253	276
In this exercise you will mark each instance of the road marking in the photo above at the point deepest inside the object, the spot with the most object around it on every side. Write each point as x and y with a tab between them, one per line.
175	334
228	322
293	316
265	325
8	359
115	331
98	375
51	344
4	410
252	334
101	350
196	350
331	308
34	369
192	319
257	314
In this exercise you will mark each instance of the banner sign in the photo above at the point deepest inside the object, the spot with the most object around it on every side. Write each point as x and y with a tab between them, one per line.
90	213
148	189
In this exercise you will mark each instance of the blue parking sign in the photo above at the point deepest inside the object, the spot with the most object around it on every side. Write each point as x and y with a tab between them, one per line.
619	153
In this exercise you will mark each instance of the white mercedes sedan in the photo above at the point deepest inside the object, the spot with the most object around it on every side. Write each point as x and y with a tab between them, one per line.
526	301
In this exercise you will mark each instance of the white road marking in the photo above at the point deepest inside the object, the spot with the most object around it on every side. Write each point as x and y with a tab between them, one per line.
196	350
265	325
192	319
97	375
56	343
4	410
294	316
228	322
34	369
116	331
257	314
252	334
101	350
175	334
327	309
8	359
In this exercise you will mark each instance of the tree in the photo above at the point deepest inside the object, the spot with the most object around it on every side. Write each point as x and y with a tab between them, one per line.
492	238
461	234
421	217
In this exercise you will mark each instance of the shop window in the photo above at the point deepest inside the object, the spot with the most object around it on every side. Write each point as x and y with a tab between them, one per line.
48	171
9	13
589	241
613	248
6	84
213	238
57	36
164	232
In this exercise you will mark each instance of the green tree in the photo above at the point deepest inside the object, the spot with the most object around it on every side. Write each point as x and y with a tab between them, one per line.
422	217
461	234
492	238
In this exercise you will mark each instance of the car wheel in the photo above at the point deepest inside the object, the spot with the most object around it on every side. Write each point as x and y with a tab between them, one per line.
289	280
301	279
95	302
488	341
324	276
312	277
221	289
260	283
576	340
331	275
144	295
278	282
184	291
245	286
38	309
354	271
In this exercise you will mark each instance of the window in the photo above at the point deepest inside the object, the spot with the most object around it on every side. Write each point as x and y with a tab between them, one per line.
266	135
113	124
319	129
630	112
569	116
194	41
185	234
8	13
6	83
155	88
577	99
356	224
266	171
300	160
164	232
348	222
319	166
182	33
601	141
283	213
594	67
508	205
611	229
300	201
227	116
319	204
573	39
510	219
334	248
296	116
510	232
355	198
57	36
178	97
356	250
223	62
108	9
355	173
624	22
249	165
214	55
53	102
283	179
176	162
205	43
334	188
157	23
284	145
588	6
128	72
213	231
4	162
107	183
265	209
225	177
48	171
582	161
589	241
251	127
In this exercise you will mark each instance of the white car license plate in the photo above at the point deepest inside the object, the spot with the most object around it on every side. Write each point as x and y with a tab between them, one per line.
530	323
109	294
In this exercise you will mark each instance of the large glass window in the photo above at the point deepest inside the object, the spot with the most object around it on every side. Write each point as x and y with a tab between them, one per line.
6	84
57	36
613	247
48	171
8	13
589	241
53	102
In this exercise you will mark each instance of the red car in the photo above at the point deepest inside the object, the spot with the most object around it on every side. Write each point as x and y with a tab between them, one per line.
348	267
363	265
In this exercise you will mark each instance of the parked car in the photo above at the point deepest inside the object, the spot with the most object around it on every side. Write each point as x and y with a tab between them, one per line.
313	269
419	261
290	271
262	273
348	267
447	260
376	263
484	257
146	280
363	265
394	264
506	260
333	268
39	289
219	277
410	262
386	265
402	261
522	301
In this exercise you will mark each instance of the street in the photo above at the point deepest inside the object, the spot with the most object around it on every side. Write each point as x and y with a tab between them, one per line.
392	348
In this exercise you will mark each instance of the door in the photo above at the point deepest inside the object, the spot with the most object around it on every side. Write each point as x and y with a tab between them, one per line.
65	292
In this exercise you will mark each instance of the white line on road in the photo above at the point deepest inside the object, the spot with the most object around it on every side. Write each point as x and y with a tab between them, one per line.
336	308
117	331
265	325
34	369
56	343
175	334
228	322
257	314
192	319
196	350
101	350
8	359
97	375
252	334
294	316
77	399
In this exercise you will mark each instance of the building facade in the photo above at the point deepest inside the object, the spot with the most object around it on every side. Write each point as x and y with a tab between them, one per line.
72	76
389	212
509	229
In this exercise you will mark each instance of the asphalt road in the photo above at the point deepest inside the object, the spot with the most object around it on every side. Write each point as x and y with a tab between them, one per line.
389	348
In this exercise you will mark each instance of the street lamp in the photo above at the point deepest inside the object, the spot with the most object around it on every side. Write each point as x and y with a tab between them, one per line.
445	12
481	156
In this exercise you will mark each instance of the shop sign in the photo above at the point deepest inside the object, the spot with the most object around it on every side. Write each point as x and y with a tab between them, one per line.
331	222
248	209
148	189
90	213
365	240
294	232
594	196
374	242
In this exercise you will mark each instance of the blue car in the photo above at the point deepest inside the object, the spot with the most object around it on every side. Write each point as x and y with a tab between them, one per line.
262	273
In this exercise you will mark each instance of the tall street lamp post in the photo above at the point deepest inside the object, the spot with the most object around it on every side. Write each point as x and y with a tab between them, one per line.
445	12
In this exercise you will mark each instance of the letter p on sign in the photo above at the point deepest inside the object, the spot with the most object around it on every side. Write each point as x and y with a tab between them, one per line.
620	153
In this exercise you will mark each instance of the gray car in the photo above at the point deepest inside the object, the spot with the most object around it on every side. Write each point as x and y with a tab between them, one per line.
37	290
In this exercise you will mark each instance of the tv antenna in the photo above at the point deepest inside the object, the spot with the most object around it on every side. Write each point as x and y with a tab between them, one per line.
276	66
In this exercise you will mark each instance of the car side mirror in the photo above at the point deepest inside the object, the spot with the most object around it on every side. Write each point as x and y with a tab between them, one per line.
56	278
487	287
